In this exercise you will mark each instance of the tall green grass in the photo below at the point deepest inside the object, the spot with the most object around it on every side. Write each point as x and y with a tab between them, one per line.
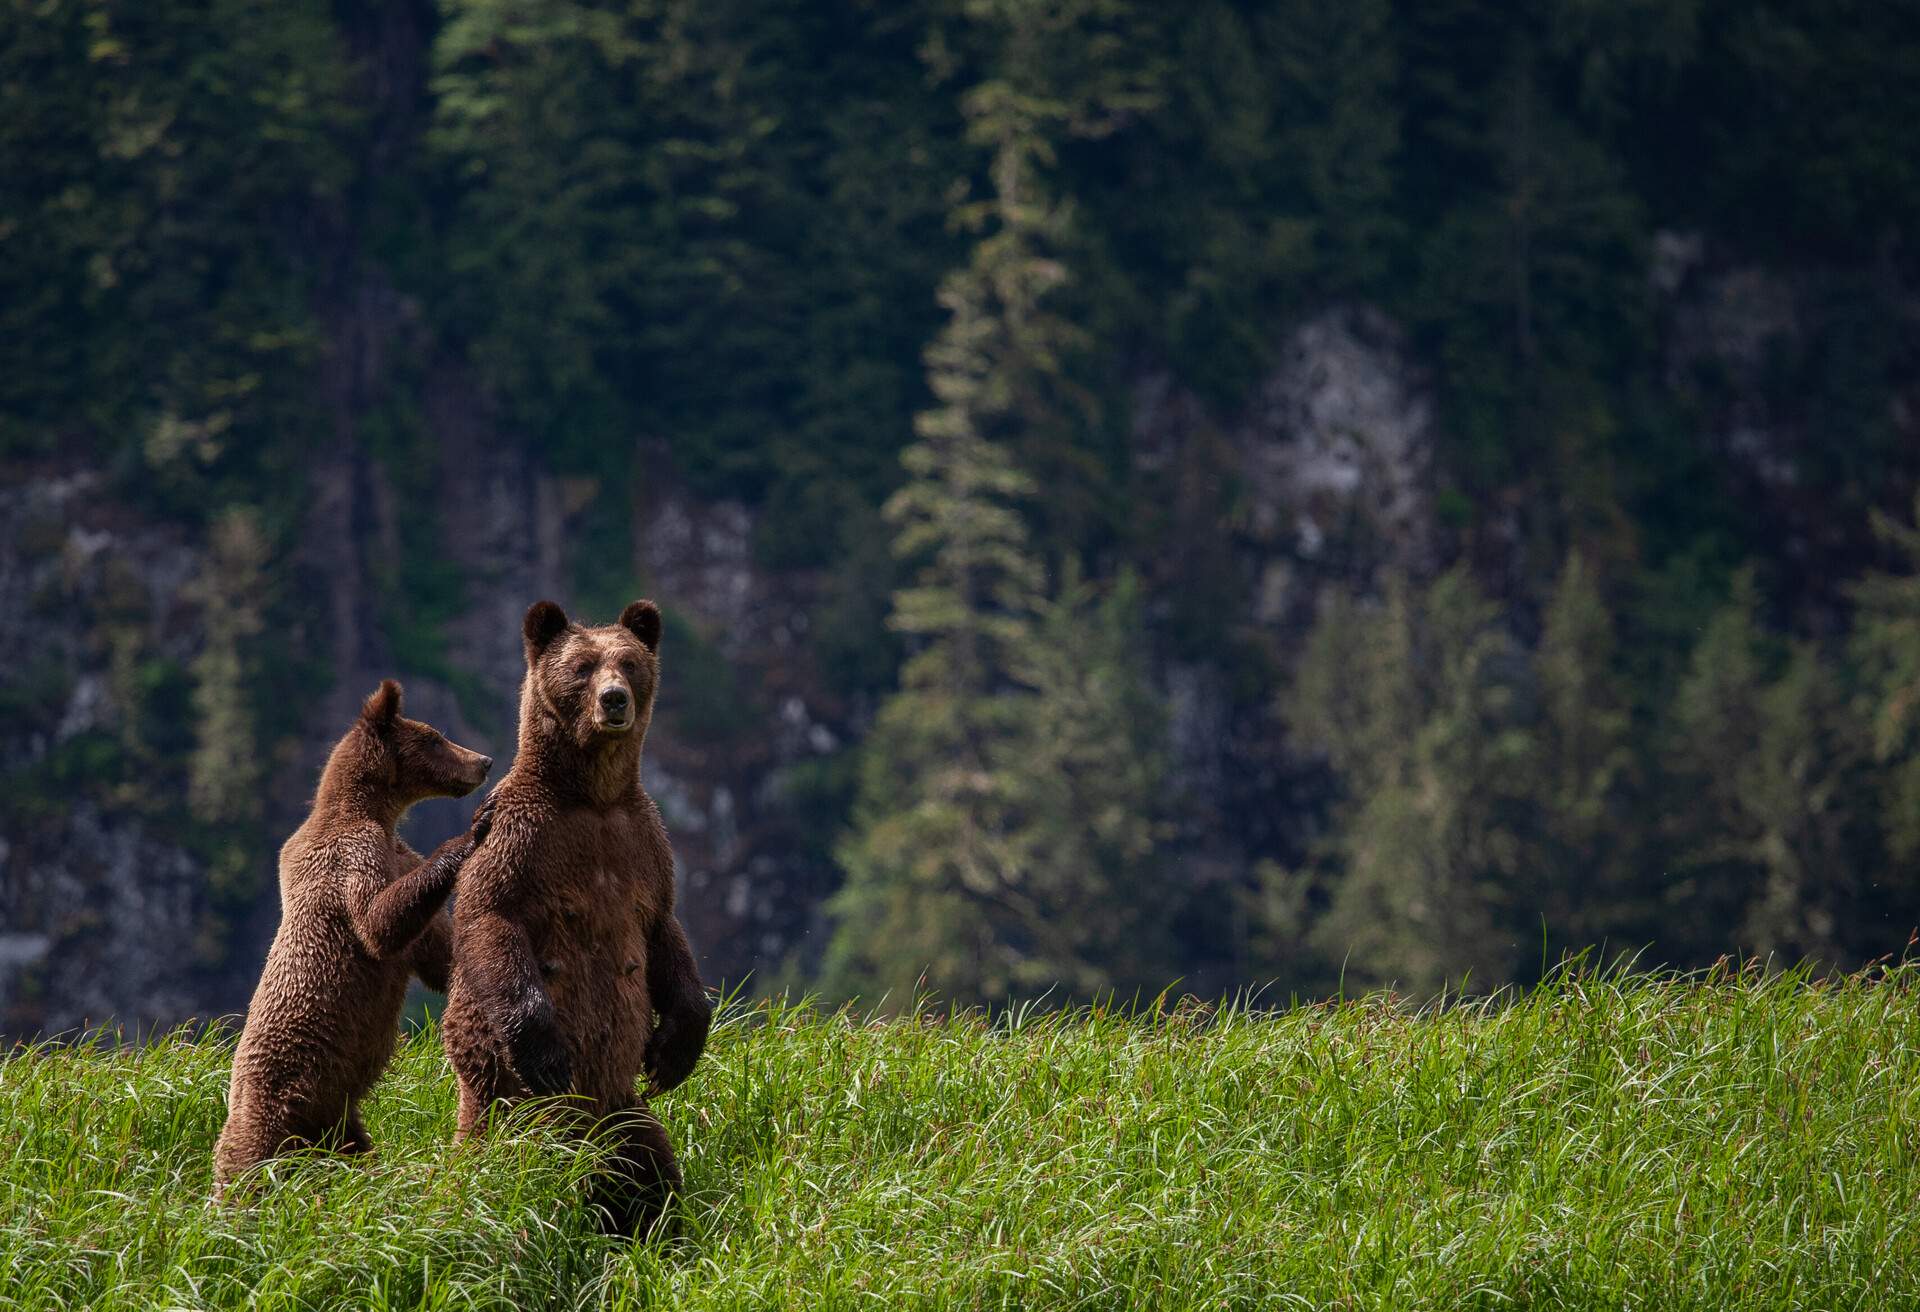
1729	1141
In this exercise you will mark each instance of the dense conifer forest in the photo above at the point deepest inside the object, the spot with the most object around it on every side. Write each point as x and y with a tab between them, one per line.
1245	492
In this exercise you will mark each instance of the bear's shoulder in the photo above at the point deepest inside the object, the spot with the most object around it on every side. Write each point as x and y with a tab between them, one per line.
326	847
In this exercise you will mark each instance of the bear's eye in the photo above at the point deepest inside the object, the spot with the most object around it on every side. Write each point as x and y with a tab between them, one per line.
582	669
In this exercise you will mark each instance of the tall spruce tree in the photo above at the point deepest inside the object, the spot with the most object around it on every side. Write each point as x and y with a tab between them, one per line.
1531	273
1410	704
1087	777
930	858
1887	649
166	168
1580	862
956	872
1772	848
1258	190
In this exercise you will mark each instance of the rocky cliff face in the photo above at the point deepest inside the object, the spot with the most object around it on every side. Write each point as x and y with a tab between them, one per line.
1324	477
101	905
741	707
1787	373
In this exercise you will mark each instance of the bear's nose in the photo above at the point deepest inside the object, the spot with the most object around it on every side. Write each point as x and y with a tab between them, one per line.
486	764
614	701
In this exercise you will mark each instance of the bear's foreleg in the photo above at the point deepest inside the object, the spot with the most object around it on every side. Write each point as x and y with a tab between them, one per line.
430	956
674	987
501	979
387	920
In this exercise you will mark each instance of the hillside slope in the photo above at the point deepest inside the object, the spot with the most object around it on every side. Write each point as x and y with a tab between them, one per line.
339	332
1715	1142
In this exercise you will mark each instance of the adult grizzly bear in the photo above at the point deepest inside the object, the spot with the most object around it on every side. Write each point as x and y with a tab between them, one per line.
565	943
359	914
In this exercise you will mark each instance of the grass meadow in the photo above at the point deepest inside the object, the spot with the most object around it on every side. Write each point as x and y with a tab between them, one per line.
1730	1140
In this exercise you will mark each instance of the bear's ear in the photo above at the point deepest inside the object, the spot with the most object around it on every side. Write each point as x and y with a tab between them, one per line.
642	619
545	622
383	707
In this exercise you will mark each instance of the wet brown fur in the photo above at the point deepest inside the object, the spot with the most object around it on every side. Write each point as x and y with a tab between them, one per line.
565	941
360	912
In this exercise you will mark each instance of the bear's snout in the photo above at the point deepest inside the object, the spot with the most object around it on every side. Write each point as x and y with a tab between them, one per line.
616	704
473	771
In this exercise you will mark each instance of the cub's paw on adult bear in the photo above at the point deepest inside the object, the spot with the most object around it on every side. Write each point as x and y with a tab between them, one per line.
482	822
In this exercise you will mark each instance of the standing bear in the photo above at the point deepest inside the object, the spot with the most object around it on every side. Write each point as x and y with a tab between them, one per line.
570	973
359	913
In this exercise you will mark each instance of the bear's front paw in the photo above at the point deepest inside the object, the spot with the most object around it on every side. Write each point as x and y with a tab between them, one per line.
482	820
545	1070
675	1048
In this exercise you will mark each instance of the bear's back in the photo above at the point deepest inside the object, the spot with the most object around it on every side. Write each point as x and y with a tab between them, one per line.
320	1016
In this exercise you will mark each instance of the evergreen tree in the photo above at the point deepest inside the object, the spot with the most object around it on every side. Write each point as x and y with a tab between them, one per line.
1768	762
1258	190
1087	775
1787	131
1887	649
1354	699
1717	713
1408	701
165	168
1582	860
958	871
931	849
1529	275
226	771
1804	785
876	143
615	257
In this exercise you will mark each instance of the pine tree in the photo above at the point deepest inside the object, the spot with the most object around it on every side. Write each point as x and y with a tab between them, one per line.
613	253
958	871
1259	189
931	851
1409	704
165	167
1768	759
1579	779
227	768
225	771
1716	713
1804	785
1531	280
1886	647
1086	774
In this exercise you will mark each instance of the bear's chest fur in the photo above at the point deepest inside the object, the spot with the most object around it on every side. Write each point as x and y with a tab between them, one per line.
593	866
593	891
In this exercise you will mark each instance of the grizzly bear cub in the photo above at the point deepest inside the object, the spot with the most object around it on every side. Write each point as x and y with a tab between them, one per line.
359	914
570	973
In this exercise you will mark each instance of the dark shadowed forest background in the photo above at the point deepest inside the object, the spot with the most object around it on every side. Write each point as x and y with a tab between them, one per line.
1257	493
